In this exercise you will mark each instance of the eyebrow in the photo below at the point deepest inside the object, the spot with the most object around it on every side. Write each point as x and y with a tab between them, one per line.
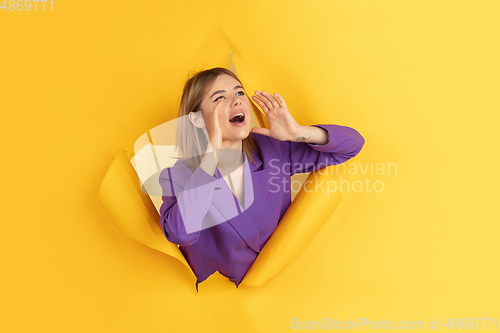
221	91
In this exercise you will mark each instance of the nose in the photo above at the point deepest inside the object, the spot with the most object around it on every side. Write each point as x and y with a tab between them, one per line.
237	100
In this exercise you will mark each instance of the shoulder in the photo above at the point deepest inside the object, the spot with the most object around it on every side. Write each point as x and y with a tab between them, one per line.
179	169
270	147
265	142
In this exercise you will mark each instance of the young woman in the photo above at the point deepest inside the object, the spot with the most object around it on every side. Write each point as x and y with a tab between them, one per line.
226	194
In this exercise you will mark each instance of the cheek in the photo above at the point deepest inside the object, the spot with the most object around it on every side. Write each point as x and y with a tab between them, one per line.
207	118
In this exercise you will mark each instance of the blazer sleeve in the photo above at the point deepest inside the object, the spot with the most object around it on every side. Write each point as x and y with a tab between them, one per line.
186	199
343	144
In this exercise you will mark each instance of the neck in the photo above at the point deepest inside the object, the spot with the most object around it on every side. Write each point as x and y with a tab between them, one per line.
233	158
236	145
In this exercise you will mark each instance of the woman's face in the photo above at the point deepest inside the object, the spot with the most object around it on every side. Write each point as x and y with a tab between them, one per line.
235	101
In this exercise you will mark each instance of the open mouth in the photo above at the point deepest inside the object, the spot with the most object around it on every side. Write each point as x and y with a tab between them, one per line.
237	118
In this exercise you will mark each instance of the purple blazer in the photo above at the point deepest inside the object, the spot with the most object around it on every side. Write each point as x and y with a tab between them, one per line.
215	233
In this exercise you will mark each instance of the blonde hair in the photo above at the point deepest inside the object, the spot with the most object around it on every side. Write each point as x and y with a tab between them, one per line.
191	142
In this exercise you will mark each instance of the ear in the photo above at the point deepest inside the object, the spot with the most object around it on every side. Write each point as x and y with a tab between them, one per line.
196	119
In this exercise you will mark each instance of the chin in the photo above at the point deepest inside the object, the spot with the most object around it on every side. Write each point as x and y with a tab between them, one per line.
240	137
246	134
241	134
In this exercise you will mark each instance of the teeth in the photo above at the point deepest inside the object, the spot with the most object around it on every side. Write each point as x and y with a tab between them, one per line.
238	114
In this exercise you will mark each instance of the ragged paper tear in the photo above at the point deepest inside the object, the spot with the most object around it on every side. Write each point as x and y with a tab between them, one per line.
135	213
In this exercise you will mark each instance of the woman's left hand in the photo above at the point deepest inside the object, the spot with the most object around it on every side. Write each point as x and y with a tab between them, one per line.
282	126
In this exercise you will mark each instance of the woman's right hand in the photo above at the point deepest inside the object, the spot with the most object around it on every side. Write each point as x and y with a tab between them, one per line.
215	135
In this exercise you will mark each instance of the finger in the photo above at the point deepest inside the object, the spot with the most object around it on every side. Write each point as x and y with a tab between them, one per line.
263	106
274	102
281	99
215	120
265	100
216	111
219	105
260	130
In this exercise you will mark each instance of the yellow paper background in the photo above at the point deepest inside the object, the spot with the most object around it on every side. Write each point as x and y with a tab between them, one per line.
419	80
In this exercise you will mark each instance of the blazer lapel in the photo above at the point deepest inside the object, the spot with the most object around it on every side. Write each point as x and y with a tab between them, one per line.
229	207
